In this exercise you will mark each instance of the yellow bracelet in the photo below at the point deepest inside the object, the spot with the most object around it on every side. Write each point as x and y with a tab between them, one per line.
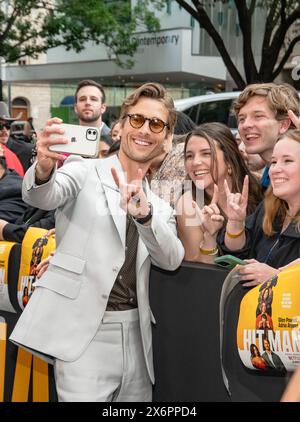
211	252
234	236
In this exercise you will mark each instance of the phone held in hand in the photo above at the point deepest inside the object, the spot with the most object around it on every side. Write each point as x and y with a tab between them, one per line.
228	261
82	140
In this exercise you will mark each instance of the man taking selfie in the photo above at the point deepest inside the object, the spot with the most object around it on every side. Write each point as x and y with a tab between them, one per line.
90	311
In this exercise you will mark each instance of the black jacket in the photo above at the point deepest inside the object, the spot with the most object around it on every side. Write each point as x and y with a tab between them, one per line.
23	151
33	217
11	204
277	250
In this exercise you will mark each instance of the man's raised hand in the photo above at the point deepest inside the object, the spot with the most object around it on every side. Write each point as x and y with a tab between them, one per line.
46	159
133	197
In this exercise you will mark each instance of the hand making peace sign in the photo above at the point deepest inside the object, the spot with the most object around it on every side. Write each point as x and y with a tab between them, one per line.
133	197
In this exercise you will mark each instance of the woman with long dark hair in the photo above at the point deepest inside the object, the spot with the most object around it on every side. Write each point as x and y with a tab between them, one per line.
211	157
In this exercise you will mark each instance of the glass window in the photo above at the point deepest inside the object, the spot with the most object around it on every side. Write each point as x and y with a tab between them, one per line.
192	112
19	102
216	111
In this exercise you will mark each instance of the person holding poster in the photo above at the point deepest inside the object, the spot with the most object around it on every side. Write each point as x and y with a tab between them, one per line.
90	310
270	238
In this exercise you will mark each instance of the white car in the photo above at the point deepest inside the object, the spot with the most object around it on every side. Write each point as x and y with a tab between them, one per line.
209	108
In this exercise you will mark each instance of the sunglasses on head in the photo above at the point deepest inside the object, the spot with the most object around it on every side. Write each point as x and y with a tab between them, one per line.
138	120
4	125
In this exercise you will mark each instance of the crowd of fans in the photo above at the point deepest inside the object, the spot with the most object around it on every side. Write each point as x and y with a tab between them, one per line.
237	195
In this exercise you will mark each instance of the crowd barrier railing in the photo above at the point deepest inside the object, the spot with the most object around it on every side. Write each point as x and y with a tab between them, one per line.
186	339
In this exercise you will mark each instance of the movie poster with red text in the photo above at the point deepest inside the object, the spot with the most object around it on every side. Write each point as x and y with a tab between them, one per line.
36	246
5	249
268	334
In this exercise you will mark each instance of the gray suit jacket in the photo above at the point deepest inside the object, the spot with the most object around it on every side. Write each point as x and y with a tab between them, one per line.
277	362
70	299
105	130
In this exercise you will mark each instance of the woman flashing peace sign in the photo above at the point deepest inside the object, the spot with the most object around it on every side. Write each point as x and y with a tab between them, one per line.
211	156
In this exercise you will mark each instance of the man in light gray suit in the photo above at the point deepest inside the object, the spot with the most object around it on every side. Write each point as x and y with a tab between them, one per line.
90	310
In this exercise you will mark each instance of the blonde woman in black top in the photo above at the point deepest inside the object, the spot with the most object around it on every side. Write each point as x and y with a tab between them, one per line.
270	238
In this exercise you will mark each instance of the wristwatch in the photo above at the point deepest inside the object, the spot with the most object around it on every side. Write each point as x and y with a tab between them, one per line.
145	219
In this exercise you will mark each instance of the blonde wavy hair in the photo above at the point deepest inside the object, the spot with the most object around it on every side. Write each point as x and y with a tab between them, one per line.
280	97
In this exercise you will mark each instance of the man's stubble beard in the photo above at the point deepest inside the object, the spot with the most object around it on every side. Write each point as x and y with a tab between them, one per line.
89	119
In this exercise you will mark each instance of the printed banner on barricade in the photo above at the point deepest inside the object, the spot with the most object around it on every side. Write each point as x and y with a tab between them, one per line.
268	334
5	303
3	331
36	246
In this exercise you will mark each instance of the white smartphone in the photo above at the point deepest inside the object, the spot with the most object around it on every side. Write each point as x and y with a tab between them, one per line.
82	140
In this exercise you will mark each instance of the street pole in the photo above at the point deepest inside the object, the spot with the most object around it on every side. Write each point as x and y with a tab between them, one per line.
1	84
2	76
9	97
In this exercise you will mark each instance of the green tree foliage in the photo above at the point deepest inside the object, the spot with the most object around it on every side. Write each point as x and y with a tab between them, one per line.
30	27
277	41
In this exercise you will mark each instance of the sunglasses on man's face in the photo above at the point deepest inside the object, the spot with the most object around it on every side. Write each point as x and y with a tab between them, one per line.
4	125
138	120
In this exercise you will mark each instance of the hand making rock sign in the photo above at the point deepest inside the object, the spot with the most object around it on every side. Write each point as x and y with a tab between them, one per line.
254	272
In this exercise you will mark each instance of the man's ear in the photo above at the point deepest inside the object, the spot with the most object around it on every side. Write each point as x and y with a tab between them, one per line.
103	108
284	125
75	109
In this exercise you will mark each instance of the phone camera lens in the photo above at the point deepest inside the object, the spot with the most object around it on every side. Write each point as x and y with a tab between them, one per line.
91	134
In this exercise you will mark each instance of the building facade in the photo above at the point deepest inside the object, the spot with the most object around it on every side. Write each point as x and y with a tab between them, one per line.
181	56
